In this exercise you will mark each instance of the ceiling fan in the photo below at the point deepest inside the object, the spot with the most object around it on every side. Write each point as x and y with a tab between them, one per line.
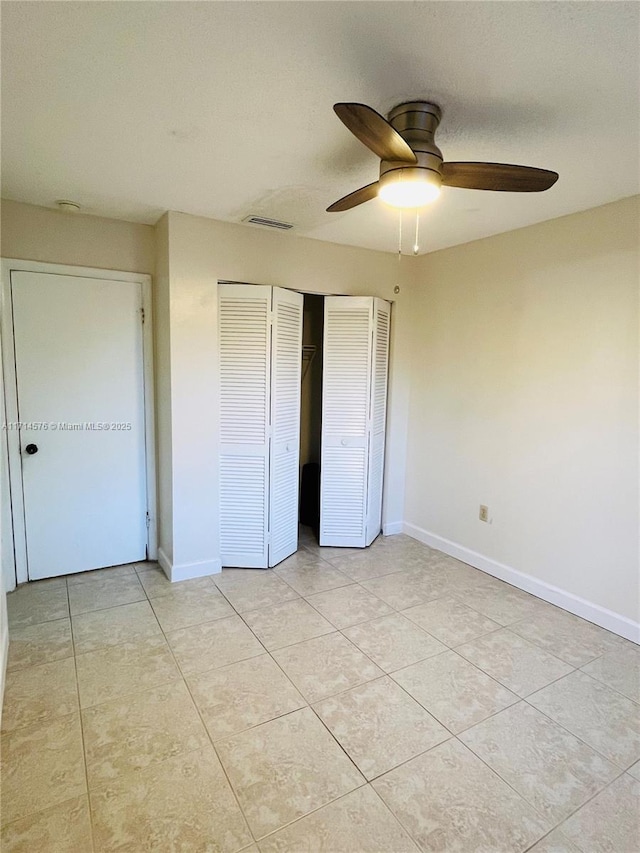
412	168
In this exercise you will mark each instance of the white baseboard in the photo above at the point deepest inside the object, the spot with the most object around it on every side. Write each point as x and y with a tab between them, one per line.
615	622
392	528
187	571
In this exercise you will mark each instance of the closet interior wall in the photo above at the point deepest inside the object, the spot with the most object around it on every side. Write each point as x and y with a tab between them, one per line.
311	413
311	397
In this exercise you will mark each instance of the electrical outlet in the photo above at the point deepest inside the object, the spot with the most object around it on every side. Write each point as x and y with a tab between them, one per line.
483	515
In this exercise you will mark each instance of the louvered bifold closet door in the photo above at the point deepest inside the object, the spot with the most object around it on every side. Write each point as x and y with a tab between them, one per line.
286	365
245	376
345	420
378	419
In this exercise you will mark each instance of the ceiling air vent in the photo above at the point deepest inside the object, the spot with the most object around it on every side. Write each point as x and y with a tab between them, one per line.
268	223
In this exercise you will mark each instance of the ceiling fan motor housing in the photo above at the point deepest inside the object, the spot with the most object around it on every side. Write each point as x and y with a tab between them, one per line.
416	122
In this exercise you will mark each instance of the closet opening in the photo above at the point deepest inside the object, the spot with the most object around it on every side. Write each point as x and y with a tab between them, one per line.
311	417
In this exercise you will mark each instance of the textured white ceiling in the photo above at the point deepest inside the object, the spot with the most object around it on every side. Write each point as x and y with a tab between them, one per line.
225	109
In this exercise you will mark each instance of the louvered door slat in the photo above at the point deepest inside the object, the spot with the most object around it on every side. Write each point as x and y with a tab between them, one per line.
286	364
245	379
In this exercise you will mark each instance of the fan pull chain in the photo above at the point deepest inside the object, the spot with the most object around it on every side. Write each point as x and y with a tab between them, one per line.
416	247
396	289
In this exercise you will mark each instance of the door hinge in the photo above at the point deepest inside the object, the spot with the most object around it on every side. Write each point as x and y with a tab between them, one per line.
148	521
142	315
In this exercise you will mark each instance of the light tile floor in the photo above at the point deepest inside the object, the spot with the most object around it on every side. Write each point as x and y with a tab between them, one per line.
380	701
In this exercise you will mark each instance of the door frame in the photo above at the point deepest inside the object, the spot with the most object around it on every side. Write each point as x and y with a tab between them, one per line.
14	555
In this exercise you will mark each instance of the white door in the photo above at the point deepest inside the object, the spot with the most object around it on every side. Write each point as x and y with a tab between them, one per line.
354	384
378	415
245	394
79	373
286	366
260	362
346	381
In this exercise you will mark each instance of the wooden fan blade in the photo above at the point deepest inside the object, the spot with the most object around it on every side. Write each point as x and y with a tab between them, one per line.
501	177
375	132
354	198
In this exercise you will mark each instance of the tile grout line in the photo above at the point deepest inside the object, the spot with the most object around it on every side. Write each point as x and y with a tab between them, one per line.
89	797
573	734
454	736
208	734
523	699
605	684
337	800
70	799
523	797
360	684
184	681
436	746
383	674
312	812
307	705
518	699
310	707
395	610
582	805
84	757
81	720
544	838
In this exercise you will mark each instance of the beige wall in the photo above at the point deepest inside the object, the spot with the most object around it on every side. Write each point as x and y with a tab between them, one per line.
524	397
201	253
35	233
162	367
522	355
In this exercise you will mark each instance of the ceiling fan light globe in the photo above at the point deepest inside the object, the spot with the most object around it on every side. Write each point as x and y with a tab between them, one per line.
409	188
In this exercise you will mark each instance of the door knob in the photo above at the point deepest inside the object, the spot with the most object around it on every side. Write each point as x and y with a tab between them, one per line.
31	449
